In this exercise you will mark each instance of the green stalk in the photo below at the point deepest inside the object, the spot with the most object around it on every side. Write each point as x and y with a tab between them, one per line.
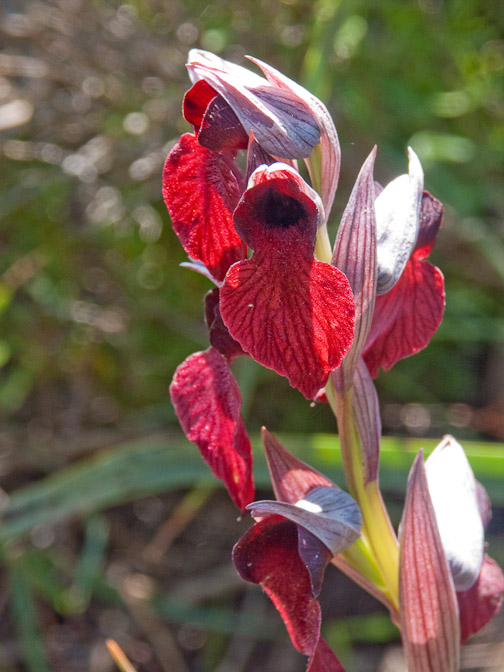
377	530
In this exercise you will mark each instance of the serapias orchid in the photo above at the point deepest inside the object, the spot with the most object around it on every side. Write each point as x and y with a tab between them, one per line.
287	549
328	320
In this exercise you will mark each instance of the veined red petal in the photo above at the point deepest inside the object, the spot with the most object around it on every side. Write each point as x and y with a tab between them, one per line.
428	606
207	402
196	101
291	478
407	317
293	315
267	554
479	604
201	189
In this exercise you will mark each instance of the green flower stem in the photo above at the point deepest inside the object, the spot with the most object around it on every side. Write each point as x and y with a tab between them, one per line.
360	557
323	250
377	530
314	163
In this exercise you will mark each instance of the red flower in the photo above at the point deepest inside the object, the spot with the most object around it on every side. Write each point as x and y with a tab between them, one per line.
287	550
410	303
290	312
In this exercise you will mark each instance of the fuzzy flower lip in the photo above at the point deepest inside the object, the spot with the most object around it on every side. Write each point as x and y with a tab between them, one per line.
274	171
306	305
282	122
453	492
397	222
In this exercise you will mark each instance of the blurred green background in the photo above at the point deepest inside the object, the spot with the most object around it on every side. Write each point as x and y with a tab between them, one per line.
95	313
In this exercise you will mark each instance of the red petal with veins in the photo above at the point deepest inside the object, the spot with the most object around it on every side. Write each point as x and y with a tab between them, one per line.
407	317
267	554
196	101
293	315
201	189
291	478
207	402
479	604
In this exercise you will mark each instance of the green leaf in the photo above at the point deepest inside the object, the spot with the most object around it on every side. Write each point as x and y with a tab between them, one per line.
159	463
26	623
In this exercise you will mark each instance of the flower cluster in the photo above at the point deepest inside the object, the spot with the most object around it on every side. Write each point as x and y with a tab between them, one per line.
327	318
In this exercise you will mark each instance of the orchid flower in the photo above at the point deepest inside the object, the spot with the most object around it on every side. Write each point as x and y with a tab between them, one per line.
289	546
328	320
285	119
300	325
410	291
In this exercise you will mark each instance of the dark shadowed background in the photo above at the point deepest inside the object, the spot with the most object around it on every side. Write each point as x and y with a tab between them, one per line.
113	528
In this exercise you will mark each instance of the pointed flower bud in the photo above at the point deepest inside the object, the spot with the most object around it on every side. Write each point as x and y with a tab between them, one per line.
355	255
428	606
455	502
